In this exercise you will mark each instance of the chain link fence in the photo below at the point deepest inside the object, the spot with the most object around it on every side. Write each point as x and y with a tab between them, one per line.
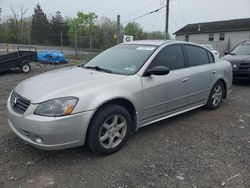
70	44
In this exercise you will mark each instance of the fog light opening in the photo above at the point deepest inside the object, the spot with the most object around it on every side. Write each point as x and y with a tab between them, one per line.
38	140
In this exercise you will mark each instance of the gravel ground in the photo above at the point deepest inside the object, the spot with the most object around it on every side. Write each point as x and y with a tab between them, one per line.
197	149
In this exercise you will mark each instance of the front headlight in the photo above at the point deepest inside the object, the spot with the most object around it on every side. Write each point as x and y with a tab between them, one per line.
57	107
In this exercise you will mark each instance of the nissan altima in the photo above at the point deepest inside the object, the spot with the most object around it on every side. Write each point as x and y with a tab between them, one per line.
131	85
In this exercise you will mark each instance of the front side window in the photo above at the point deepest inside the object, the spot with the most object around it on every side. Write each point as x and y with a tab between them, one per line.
196	55
211	37
123	59
171	57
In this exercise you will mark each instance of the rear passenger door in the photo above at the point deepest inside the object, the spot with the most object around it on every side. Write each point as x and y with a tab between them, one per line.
202	72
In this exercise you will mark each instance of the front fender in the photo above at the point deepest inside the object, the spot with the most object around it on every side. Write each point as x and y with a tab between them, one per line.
129	88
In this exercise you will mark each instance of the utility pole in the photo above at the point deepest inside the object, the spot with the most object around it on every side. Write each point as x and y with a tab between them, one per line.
167	20
118	29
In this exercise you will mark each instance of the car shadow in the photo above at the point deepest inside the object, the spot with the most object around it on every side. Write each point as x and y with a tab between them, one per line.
241	81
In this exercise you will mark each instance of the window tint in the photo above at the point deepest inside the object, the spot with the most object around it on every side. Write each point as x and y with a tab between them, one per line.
196	55
211	57
171	57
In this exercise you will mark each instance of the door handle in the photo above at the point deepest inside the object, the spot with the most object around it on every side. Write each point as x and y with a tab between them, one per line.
185	80
214	72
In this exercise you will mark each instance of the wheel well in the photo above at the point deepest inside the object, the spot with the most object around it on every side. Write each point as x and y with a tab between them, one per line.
24	62
225	87
127	105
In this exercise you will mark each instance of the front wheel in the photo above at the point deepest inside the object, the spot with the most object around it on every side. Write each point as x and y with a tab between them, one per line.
216	96
109	130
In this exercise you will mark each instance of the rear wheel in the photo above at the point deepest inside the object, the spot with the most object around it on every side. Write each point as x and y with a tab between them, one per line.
109	130
25	67
216	96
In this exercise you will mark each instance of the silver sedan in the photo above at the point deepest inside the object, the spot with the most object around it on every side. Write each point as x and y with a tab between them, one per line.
121	90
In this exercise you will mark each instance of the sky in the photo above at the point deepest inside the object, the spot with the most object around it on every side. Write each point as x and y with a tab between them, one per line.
182	12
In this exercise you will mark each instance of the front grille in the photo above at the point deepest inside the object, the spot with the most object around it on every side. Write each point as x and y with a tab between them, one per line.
18	103
244	66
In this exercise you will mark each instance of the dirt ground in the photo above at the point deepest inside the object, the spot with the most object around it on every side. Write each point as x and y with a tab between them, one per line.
199	149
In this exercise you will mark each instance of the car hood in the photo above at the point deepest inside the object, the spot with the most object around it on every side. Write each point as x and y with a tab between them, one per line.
63	82
236	59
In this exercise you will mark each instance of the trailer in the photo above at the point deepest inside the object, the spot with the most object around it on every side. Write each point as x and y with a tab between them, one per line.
20	59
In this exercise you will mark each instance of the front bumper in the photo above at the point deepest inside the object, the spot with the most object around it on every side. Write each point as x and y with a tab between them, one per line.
50	133
238	73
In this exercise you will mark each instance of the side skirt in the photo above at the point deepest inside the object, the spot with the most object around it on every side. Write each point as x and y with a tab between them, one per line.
170	115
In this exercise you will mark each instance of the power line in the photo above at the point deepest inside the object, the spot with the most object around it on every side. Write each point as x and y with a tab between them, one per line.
152	12
181	11
174	21
140	9
155	22
124	4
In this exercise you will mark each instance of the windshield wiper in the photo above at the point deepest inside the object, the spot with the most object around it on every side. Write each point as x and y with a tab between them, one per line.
98	69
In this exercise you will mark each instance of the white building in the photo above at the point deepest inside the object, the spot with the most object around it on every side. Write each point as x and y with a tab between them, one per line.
223	35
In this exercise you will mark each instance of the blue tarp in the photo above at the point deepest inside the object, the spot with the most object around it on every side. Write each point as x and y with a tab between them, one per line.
51	57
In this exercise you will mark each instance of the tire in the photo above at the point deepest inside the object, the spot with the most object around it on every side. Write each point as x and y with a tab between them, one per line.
216	96
25	67
109	130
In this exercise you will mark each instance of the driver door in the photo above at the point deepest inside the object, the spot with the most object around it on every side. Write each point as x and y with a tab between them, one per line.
166	94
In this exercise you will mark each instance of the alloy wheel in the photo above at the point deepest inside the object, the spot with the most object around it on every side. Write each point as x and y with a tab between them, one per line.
217	95
113	131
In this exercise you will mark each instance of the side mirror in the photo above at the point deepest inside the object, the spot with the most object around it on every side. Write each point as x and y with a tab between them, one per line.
158	70
226	53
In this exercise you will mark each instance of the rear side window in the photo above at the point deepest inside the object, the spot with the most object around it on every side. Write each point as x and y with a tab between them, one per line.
171	57
196	55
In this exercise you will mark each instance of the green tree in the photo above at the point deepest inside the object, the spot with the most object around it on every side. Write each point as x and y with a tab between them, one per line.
107	29
19	28
134	29
58	27
40	27
15	28
156	35
85	27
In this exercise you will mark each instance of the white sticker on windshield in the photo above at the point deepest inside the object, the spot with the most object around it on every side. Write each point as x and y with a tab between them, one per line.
145	48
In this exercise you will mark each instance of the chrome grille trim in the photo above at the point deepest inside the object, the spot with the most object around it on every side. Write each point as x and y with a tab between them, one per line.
18	103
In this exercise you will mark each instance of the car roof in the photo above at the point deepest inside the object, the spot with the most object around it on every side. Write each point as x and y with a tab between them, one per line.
149	42
158	42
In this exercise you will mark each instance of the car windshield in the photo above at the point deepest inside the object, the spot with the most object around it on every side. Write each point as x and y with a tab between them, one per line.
242	49
122	59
